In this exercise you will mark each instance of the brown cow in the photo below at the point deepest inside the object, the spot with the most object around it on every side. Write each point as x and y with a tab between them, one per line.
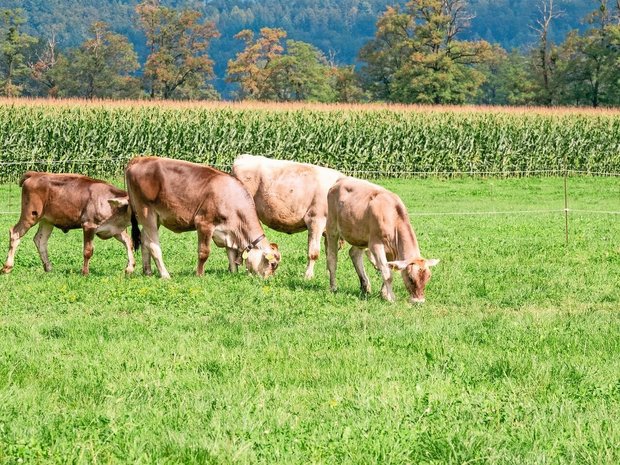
186	196
370	217
290	197
71	201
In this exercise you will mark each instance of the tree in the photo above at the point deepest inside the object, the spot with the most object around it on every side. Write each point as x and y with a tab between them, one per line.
346	84
101	67
302	74
13	46
508	80
266	70
588	62
42	70
252	67
545	58
417	58
178	65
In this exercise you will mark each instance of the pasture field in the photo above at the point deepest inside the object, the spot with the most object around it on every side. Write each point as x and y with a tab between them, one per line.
515	357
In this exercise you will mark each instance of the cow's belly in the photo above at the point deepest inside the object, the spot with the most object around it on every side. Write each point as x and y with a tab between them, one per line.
282	217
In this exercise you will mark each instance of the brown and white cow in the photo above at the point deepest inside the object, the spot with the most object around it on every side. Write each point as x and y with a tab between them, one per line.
290	197
370	217
185	196
71	201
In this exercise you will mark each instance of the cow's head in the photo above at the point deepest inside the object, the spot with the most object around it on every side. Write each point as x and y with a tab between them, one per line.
416	273
263	262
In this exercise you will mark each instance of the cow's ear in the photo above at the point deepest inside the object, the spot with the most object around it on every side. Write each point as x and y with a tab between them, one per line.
431	262
274	246
119	202
398	265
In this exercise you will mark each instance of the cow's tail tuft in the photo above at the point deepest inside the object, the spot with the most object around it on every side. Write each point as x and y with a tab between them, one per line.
135	232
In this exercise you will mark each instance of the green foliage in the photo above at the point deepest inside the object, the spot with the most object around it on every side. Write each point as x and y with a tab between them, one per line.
14	44
513	359
100	68
266	70
178	65
507	80
373	140
417	58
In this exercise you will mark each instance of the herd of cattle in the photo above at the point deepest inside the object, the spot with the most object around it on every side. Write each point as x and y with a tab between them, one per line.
286	196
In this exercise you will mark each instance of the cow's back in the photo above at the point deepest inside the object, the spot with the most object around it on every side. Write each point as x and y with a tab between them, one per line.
67	200
179	190
362	210
285	191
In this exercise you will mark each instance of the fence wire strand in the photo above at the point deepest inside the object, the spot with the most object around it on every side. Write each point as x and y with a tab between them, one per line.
13	192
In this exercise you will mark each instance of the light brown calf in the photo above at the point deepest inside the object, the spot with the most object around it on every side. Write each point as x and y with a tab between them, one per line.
70	201
370	217
290	197
185	196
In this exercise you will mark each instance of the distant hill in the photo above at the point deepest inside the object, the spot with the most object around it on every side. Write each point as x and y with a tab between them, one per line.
338	27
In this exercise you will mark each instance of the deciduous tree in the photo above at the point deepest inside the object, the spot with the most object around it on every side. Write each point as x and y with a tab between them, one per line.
101	67
416	55
178	65
13	48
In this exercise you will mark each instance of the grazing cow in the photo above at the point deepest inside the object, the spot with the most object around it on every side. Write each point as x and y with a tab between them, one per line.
71	201
290	197
186	196
370	217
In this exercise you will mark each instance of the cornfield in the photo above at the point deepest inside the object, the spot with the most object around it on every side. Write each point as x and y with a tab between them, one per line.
100	138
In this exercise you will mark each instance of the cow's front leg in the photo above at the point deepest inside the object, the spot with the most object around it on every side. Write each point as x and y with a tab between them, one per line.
378	253
146	260
232	259
331	245
40	240
315	231
124	238
15	236
89	235
357	257
205	233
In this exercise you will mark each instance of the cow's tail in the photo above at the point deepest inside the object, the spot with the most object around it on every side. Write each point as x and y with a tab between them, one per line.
136	237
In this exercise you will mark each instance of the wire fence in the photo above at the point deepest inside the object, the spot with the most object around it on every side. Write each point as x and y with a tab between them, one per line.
112	170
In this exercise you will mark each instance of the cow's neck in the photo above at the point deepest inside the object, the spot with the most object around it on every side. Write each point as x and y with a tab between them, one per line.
250	234
406	244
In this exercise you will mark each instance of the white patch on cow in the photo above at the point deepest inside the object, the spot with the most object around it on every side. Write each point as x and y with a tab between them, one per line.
222	238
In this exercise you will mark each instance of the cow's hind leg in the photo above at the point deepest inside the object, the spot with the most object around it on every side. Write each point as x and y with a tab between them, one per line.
124	238
377	251
331	245
205	234
40	240
315	231
150	232
357	257
15	236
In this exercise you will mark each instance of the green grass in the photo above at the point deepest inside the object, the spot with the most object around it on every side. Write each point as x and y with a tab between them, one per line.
515	357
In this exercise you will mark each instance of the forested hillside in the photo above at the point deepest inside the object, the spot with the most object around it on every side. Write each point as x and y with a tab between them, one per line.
338	28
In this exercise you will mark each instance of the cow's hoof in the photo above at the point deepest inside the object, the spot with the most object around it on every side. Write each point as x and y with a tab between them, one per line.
85	272
47	268
309	275
333	288
165	276
6	269
147	272
129	270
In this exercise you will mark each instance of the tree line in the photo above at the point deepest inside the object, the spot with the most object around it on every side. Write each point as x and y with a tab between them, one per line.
417	55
